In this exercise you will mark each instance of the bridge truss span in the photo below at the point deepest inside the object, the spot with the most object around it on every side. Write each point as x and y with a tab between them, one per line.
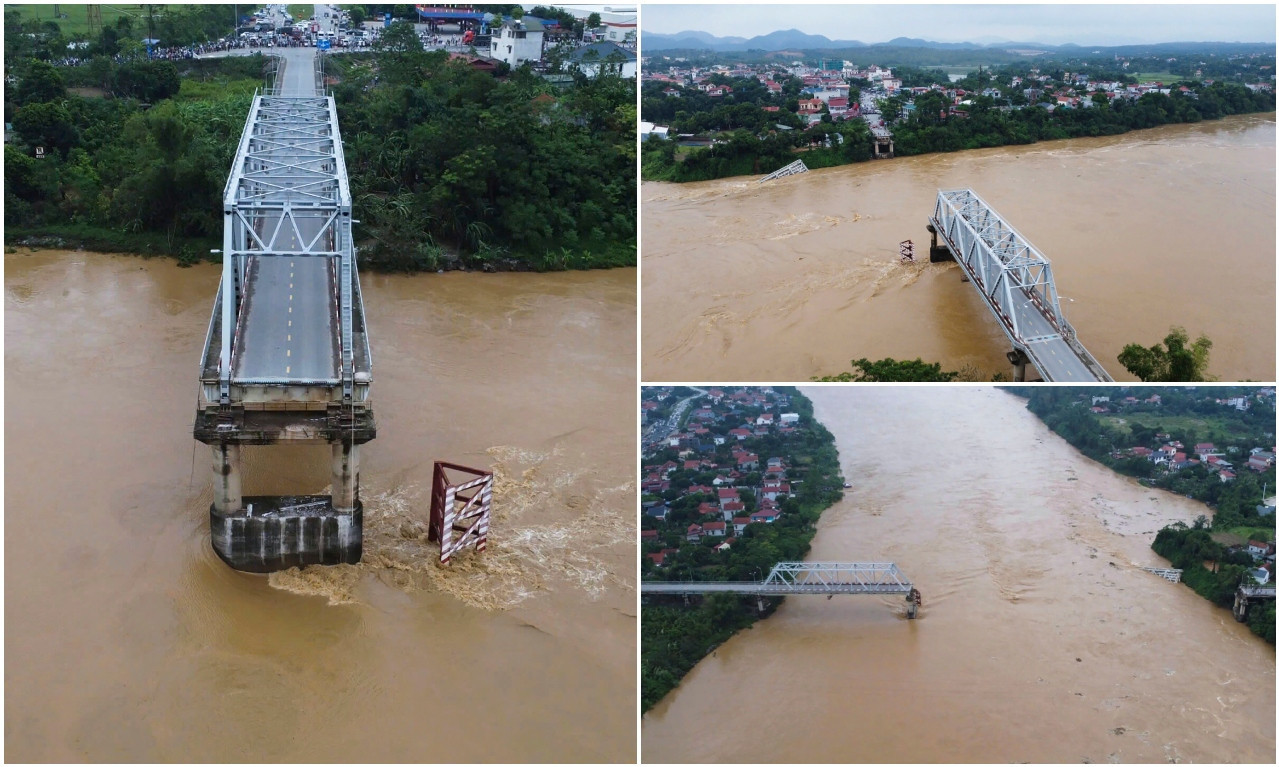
1016	282
794	578
287	357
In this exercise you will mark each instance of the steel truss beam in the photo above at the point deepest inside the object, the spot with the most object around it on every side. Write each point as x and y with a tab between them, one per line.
287	194
460	509
1009	272
1008	266
794	578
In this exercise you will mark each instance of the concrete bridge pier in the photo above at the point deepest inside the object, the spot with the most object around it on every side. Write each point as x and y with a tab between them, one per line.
939	253
1019	360
346	477
228	498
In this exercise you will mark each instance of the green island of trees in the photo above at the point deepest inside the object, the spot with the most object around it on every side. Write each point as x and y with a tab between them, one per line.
675	638
1190	416
449	167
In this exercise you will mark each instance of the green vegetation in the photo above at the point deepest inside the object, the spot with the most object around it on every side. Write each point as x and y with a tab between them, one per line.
749	139
675	638
115	173
1066	411
889	370
34	31
1188	548
74	19
448	166
1176	360
504	171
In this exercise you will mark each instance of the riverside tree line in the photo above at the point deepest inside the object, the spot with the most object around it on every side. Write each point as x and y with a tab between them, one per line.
448	166
751	140
1189	416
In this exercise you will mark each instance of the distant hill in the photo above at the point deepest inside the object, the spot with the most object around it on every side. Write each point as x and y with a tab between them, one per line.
773	41
793	39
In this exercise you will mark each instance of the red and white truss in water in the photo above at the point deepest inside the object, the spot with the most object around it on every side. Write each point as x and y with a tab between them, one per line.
461	498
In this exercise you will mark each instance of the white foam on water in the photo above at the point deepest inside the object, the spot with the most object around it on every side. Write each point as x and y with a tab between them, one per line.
524	557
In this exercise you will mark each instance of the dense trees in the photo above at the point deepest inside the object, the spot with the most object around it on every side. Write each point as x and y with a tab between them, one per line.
889	369
446	158
1189	548
442	158
1176	360
935	124
116	174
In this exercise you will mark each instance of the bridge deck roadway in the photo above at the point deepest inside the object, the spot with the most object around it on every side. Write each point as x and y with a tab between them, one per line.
1053	356
290	318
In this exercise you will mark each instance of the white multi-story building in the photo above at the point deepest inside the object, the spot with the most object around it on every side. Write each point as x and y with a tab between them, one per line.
517	41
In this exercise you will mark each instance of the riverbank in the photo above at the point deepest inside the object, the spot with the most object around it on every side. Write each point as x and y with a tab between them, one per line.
1228	504
191	252
676	636
744	154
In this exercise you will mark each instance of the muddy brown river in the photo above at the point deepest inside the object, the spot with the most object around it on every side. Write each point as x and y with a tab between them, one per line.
1039	640
791	279
127	639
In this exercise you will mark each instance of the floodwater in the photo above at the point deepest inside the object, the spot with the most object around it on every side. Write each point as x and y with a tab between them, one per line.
1039	640
792	279
127	639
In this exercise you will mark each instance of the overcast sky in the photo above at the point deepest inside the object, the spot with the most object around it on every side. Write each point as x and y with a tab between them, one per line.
1053	24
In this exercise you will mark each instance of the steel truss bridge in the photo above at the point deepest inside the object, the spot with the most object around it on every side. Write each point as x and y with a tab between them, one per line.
287	356
1016	283
793	578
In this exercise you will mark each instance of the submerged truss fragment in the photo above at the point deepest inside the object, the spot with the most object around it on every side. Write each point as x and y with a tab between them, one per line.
460	509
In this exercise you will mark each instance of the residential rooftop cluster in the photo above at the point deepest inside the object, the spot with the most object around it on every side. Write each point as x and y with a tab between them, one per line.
711	467
1171	455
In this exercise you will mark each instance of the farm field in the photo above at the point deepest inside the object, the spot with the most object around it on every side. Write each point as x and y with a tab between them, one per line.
76	21
1218	430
